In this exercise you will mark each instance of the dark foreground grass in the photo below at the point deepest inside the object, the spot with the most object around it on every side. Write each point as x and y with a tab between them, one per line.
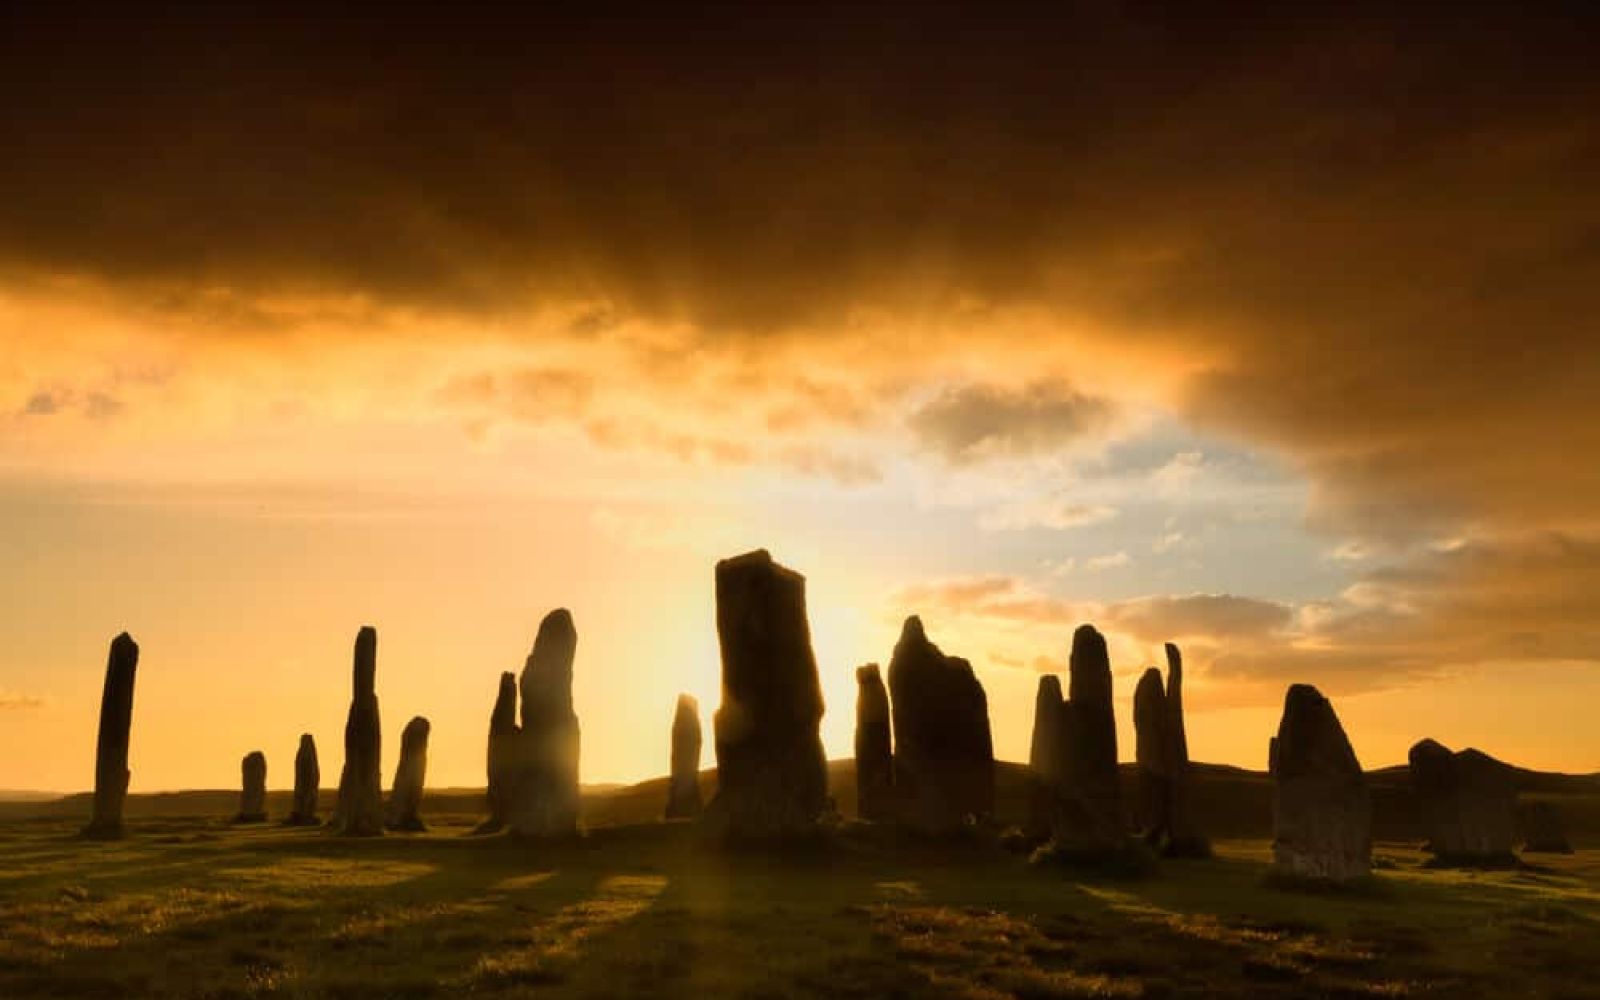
198	908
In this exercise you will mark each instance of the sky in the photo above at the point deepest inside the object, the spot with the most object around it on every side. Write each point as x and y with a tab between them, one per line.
1269	332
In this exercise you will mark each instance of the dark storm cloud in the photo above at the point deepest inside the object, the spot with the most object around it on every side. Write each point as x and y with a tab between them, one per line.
978	421
1372	238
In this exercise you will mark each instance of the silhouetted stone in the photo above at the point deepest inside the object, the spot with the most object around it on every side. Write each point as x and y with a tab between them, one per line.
683	790
405	798
253	785
1544	829
1184	840
772	779
359	812
1047	760
111	749
874	754
1468	805
502	753
943	748
307	782
1089	824
544	791
1153	756
1321	809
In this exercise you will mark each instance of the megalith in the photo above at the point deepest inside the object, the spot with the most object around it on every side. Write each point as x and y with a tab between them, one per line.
683	788
405	797
544	794
1047	761
359	811
943	747
502	753
111	749
253	788
1089	822
874	756
772	779
1184	839
1153	758
1468	804
1321	808
307	783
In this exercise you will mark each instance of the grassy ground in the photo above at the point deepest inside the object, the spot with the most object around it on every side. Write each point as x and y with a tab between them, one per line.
198	908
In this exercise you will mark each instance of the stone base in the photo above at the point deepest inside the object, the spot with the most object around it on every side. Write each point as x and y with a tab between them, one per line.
250	818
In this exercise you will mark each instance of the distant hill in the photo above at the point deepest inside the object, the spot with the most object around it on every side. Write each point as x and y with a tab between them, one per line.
1231	802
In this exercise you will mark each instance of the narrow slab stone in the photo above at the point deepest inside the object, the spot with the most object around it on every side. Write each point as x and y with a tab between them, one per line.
1048	762
683	790
405	798
253	788
874	753
544	794
307	783
359	812
502	753
111	749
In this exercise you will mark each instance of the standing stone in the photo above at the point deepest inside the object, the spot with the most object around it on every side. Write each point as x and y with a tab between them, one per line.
307	783
772	777
683	792
1544	829
111	750
1184	839
1321	809
1154	758
874	757
544	793
405	798
1047	763
503	741
1468	803
359	812
1089	821
253	796
943	748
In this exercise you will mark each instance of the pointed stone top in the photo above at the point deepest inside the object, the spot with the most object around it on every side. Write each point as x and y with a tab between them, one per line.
912	630
868	674
416	731
307	740
1089	638
1174	661
366	661
560	619
688	703
124	640
1149	685
1049	687
255	755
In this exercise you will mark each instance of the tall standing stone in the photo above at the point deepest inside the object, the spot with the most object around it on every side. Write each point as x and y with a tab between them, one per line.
1153	757
874	755
1321	808
1184	838
772	778
502	755
943	747
1047	763
405	798
307	783
111	749
1089	821
359	812
544	796
253	788
683	791
1468	802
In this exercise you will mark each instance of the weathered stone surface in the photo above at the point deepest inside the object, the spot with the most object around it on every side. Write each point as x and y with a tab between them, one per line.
253	788
1468	803
1089	822
1047	759
111	749
359	812
874	753
503	738
943	748
1321	809
683	790
1153	756
544	759
405	798
1544	828
1184	838
307	782
772	779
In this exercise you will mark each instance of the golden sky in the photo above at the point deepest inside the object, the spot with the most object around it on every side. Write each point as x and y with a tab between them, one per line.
1274	335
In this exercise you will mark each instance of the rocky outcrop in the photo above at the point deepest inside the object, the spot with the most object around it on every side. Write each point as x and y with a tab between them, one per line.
111	749
253	788
544	762
772	777
307	783
405	797
683	789
874	754
359	812
1321	809
943	748
1468	803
